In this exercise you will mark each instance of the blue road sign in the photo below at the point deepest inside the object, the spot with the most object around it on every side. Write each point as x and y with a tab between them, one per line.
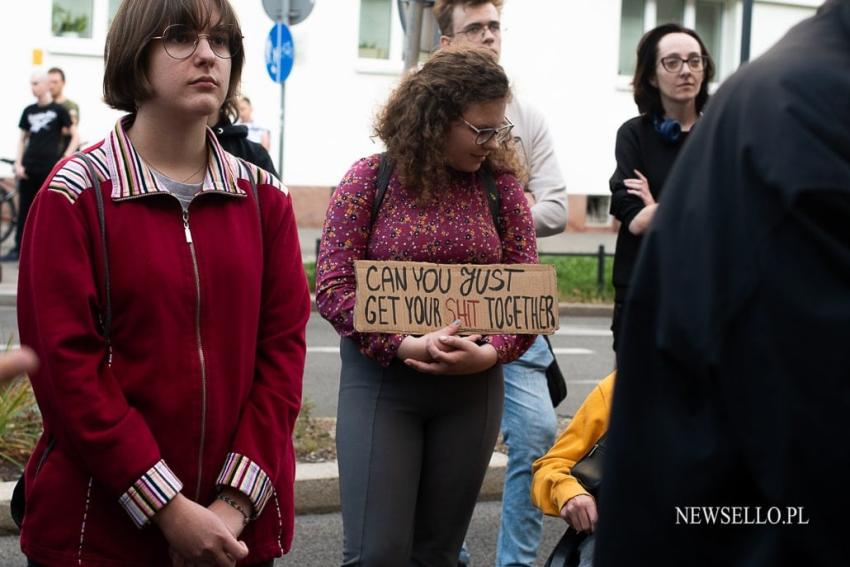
280	52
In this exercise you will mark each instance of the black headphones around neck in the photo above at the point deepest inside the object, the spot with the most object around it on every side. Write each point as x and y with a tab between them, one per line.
667	128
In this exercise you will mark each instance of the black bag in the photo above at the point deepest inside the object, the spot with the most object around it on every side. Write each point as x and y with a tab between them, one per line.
555	378
588	472
17	505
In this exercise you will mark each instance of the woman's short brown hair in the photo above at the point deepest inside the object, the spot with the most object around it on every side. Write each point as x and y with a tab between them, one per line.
415	123
125	80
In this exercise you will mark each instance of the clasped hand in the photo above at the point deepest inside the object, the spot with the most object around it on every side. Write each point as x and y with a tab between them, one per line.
580	513
442	352
201	536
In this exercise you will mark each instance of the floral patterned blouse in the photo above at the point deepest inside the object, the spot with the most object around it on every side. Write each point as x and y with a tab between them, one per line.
454	228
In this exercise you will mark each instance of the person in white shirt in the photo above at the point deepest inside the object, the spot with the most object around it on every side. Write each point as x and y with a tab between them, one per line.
256	132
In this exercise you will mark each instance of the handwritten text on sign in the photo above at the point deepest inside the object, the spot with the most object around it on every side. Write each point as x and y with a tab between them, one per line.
418	297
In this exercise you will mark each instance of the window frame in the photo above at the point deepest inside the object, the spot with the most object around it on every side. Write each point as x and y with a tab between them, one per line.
92	46
592	221
730	39
394	63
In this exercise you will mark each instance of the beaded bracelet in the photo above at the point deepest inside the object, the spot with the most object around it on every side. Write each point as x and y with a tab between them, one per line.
236	506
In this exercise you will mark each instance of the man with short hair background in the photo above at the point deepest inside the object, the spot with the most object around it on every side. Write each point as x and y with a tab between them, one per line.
529	422
56	83
41	127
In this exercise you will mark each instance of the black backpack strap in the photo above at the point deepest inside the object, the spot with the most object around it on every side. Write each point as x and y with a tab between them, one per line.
106	316
385	171
494	200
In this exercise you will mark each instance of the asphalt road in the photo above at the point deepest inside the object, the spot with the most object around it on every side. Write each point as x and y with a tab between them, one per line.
318	540
582	345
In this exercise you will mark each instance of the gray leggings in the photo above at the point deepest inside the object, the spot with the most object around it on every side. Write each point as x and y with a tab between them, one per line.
413	450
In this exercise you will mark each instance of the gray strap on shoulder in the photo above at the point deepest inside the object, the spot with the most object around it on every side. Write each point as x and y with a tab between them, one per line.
106	316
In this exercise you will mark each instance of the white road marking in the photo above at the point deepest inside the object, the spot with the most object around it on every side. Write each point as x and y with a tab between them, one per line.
323	349
583	332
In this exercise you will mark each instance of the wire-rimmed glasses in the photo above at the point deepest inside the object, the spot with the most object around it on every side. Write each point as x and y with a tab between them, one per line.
479	31
180	41
484	135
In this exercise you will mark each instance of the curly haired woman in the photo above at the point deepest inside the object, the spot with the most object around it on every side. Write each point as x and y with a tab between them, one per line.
418	416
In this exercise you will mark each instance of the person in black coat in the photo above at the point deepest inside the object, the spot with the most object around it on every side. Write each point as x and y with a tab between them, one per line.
234	139
670	89
728	438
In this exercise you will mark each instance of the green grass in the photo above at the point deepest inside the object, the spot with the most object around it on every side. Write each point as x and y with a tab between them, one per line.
577	280
20	421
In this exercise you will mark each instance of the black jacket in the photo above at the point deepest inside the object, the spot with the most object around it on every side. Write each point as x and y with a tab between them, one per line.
733	387
639	147
234	139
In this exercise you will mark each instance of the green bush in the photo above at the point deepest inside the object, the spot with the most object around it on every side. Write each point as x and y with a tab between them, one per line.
20	421
578	280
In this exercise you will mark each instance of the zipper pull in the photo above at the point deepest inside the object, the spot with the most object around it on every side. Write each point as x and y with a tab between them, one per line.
186	227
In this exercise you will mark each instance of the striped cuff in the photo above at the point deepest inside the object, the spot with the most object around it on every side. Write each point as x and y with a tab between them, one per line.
246	476
150	494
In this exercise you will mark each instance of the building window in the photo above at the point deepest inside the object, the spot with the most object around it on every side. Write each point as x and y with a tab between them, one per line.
597	210
709	26
631	28
667	11
72	18
79	27
113	9
375	29
639	16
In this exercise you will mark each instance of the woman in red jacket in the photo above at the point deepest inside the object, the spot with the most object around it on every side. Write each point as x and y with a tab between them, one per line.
167	434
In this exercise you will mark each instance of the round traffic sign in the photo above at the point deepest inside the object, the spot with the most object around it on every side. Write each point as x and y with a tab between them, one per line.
298	10
280	52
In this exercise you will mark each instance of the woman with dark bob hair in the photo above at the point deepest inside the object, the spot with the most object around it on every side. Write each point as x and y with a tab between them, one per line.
670	85
418	416
162	288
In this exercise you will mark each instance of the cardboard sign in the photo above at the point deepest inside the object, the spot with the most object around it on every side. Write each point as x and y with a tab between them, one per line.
492	299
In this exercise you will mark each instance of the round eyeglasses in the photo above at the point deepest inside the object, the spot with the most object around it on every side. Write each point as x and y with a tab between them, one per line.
479	31
181	41
673	63
484	135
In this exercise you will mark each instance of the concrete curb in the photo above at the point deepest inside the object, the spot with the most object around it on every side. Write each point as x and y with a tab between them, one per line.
8	295
316	489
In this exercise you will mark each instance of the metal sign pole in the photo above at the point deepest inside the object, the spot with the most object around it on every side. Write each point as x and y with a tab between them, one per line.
414	33
285	11
746	31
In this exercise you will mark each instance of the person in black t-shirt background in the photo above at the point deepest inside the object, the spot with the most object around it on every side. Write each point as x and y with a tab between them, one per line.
42	125
670	89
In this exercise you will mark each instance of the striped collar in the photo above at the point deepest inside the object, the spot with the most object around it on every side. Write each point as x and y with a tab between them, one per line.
131	177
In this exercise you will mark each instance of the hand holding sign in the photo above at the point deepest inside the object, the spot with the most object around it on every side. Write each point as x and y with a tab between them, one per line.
448	354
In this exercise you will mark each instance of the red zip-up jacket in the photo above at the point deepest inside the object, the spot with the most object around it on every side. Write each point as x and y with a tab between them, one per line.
202	384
